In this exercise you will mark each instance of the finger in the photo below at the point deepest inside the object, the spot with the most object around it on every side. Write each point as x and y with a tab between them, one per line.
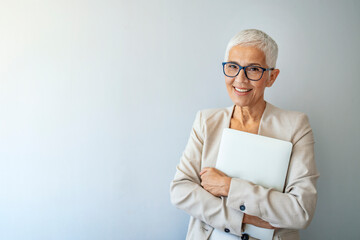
272	227
219	172
204	170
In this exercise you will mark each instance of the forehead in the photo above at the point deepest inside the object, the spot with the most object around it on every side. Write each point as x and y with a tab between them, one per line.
246	54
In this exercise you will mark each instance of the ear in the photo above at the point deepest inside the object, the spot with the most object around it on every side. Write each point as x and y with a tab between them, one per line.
273	75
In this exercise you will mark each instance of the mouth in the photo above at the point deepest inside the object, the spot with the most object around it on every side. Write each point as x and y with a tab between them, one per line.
243	90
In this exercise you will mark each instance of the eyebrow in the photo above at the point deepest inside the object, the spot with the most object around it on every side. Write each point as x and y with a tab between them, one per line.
250	64
254	64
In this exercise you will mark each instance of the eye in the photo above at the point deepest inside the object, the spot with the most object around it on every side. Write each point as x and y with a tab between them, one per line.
232	66
253	69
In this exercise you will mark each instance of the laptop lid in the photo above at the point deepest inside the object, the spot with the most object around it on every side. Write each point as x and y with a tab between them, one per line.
255	158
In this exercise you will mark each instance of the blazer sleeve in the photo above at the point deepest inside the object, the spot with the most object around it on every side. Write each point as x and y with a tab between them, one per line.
188	195
295	207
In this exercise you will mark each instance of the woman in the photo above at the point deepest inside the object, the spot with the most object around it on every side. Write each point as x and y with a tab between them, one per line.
216	201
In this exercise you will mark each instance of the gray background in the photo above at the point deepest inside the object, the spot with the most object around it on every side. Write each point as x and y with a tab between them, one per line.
97	99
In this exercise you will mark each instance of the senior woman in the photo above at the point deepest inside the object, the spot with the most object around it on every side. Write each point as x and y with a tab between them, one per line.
216	201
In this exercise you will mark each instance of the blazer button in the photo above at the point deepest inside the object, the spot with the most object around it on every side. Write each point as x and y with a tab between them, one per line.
242	207
226	230
245	237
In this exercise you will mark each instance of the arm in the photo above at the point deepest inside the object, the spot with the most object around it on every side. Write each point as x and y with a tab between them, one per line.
295	207
218	184
188	195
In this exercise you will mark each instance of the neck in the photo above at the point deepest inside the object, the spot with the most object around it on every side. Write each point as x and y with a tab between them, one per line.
249	114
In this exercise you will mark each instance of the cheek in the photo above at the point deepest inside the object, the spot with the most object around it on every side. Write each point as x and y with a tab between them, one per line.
260	86
229	88
229	81
266	82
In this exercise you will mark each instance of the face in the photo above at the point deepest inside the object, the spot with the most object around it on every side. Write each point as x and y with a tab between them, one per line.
242	91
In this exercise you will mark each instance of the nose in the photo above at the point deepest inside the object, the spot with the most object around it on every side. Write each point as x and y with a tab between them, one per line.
241	77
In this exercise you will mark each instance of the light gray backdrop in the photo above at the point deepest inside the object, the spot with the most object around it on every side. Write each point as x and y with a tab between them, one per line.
97	99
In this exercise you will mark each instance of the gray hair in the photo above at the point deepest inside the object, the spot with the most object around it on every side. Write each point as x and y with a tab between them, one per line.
256	38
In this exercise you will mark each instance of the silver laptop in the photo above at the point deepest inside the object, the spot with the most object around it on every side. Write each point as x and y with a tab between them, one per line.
261	160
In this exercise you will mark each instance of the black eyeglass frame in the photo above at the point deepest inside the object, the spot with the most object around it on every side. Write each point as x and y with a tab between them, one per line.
241	67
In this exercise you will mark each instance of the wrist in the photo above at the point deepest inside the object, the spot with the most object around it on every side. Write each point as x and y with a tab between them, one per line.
245	219
226	188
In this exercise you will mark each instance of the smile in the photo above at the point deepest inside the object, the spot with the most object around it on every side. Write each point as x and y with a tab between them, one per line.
242	90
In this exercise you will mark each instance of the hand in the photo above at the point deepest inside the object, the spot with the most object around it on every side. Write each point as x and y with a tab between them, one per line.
256	221
215	182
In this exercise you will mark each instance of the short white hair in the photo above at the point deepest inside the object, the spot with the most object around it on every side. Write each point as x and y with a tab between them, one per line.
256	38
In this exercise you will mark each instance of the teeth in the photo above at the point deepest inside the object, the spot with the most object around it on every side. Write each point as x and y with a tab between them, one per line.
242	90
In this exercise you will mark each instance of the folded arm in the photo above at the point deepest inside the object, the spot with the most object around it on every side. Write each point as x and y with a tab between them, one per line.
218	184
295	207
188	194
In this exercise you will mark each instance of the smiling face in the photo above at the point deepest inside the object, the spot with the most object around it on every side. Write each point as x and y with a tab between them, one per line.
242	91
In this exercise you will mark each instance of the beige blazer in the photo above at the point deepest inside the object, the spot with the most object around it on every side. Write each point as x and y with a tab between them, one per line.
289	211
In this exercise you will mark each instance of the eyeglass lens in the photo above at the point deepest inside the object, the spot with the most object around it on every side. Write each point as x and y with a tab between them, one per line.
251	72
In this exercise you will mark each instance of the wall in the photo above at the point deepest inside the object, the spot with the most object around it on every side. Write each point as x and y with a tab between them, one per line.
97	99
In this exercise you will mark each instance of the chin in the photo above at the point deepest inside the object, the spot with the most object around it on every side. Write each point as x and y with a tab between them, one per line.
241	103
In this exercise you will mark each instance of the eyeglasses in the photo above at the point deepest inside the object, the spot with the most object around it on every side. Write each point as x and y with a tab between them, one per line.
252	72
